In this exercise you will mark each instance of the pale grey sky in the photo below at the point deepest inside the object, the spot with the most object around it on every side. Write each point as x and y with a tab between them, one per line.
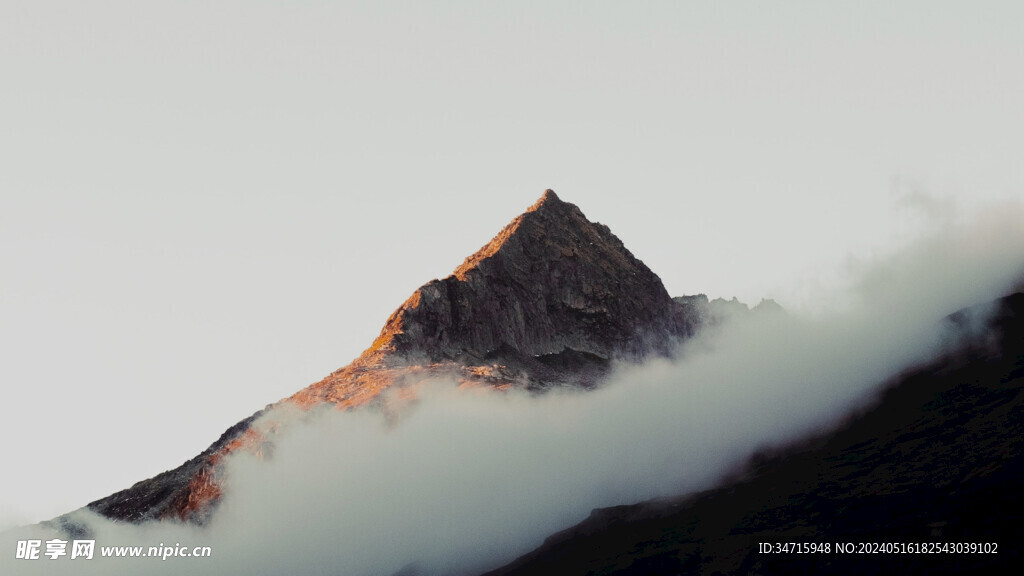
209	205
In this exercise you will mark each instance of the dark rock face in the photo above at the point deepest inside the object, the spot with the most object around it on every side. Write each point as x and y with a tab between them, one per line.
553	299
938	459
550	281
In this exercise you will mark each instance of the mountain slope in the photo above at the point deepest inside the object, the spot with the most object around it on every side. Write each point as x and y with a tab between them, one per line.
553	299
938	459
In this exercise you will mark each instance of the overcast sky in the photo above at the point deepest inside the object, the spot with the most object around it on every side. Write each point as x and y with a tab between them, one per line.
207	206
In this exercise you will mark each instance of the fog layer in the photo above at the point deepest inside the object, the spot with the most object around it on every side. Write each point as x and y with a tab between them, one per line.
466	480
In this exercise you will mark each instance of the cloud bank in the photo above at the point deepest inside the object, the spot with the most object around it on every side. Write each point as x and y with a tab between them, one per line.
466	480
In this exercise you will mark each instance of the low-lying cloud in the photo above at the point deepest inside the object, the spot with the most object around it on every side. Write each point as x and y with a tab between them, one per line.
466	480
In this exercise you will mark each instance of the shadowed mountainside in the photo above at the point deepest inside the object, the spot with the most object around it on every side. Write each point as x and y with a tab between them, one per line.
939	458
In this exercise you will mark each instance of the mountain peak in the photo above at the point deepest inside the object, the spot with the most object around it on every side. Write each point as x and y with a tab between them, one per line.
551	300
549	281
548	197
548	211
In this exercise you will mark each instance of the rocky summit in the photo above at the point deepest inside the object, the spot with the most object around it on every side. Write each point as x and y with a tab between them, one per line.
551	281
552	300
